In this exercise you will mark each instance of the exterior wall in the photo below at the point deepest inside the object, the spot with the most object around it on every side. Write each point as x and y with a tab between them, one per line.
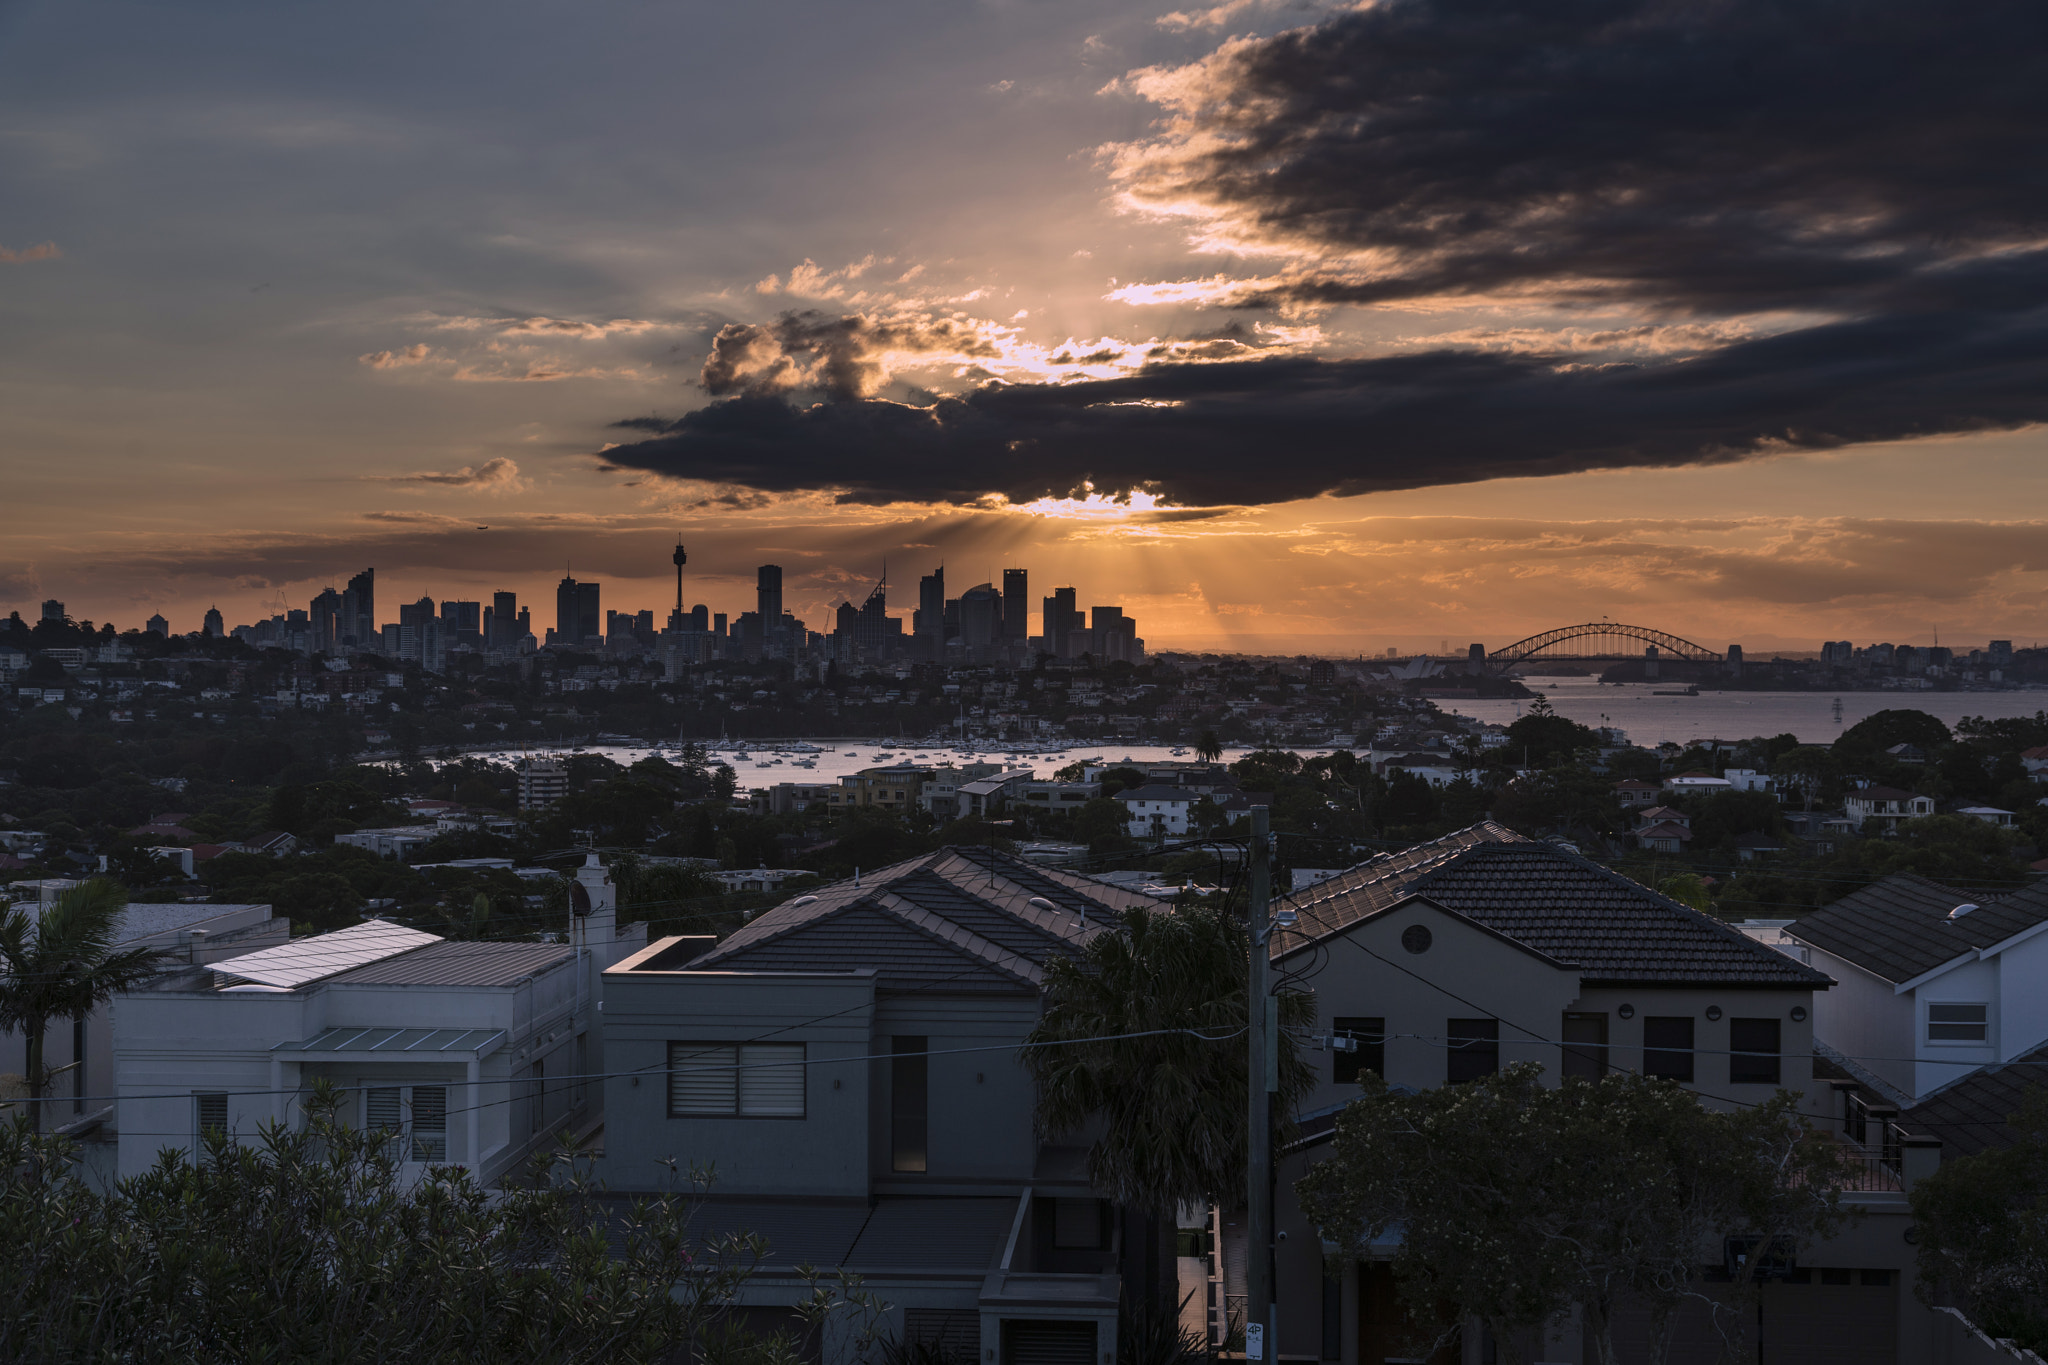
825	1153
1710	1037
980	1102
1972	983
1864	1017
2022	1002
1369	974
173	1044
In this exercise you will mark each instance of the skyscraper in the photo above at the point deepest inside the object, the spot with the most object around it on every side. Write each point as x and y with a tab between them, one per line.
53	610
1016	606
578	616
214	626
981	618
1062	618
504	631
768	593
359	611
463	622
930	620
324	617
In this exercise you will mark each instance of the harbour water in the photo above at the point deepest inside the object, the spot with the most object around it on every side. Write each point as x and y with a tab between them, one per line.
766	762
1650	719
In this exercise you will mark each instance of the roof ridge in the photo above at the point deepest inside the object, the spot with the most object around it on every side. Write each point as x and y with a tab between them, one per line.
988	951
737	943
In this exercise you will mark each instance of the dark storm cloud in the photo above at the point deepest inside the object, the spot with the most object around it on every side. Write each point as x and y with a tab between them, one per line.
1723	157
1273	430
1870	169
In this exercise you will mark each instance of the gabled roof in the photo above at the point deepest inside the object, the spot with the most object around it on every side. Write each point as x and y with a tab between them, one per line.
1899	929
1556	903
960	919
1665	829
1881	794
1974	1112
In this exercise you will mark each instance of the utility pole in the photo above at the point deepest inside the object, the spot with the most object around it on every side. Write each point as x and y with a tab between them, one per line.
1261	1341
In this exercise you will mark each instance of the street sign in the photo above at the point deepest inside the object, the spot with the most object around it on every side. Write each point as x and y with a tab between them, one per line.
1255	1341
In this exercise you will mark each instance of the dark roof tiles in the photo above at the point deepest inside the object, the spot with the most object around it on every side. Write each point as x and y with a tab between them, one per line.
1975	1112
959	919
1555	902
1899	927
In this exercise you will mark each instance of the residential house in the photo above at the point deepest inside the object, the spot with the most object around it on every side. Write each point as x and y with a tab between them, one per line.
1884	809
1663	829
80	1053
1990	815
1633	791
1156	812
849	1063
472	1053
397	841
1449	960
1696	782
2035	760
1933	983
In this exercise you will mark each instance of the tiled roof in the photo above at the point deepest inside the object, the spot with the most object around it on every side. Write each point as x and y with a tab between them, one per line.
1664	829
1899	927
1882	794
960	919
1618	932
1974	1113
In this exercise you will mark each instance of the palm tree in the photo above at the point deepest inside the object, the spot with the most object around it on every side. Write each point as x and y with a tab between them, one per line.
1208	747
63	965
1173	1103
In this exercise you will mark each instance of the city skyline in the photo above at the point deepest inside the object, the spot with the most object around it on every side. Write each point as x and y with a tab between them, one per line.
1018	306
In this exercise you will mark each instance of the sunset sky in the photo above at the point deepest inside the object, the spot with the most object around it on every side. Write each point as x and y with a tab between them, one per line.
1286	326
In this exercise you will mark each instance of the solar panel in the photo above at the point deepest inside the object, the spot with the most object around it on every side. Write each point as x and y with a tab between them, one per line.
323	955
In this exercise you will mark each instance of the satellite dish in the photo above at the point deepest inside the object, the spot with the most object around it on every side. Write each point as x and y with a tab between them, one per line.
579	900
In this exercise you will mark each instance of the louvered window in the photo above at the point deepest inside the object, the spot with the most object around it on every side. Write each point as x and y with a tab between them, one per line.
429	1123
210	1113
751	1080
381	1112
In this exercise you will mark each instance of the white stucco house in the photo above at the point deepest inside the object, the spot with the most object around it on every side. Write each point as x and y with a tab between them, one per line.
473	1053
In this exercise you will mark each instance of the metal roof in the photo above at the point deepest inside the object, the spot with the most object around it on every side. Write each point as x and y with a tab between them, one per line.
461	964
324	955
411	1043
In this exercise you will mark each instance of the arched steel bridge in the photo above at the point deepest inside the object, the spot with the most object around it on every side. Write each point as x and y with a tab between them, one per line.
1669	646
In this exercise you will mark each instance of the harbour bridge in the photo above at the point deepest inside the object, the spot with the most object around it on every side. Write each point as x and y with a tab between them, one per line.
1597	641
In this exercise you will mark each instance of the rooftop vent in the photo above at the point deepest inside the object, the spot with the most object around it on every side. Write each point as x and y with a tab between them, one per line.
1961	910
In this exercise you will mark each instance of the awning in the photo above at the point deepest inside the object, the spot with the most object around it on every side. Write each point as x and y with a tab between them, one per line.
350	1044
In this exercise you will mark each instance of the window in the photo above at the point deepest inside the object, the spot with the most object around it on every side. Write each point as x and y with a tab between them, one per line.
1585	1045
209	1114
430	1123
747	1080
1667	1046
1753	1051
537	1095
1474	1049
909	1104
1371	1037
416	1120
1958	1023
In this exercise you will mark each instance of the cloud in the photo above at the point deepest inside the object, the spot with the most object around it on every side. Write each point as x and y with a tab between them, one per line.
414	354
1277	429
1722	157
1795	242
498	475
842	357
572	329
42	251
